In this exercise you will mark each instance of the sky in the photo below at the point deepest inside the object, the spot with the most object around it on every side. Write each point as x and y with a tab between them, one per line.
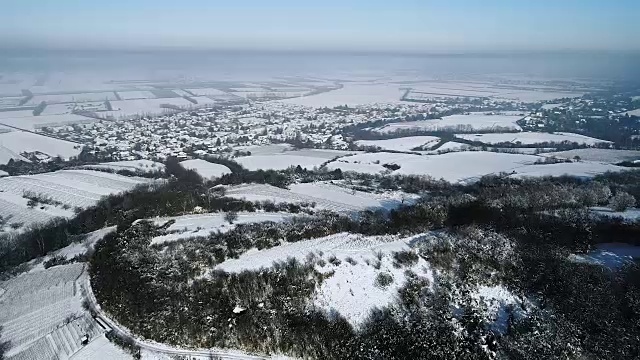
355	25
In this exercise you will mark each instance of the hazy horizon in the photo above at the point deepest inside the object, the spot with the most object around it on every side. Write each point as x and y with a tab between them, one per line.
406	26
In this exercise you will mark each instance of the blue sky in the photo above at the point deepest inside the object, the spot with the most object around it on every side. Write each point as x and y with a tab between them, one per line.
405	25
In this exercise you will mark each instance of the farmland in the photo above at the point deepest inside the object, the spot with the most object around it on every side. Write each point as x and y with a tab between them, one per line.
206	169
531	138
325	196
470	122
63	190
42	314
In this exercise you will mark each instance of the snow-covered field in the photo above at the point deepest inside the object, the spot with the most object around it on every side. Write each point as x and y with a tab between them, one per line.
471	122
207	91
326	196
189	226
147	166
452	146
453	167
20	141
402	144
351	95
34	309
307	158
138	107
140	94
531	138
71	98
583	169
601	155
206	169
33	123
73	188
352	290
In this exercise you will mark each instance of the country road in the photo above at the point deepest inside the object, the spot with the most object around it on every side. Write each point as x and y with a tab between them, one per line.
162	348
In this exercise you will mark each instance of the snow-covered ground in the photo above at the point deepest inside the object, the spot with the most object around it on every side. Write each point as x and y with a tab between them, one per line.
471	122
139	107
307	158
35	306
452	146
101	349
613	255
20	141
189	226
531	138
74	188
635	112
131	165
325	196
498	300
130	95
630	215
351	290
583	169
402	144
601	155
206	169
352	95
33	123
453	167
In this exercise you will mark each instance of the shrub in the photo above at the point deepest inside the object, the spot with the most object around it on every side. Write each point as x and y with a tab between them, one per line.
383	280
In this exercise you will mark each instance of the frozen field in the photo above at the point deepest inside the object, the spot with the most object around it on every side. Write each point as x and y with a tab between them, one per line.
73	188
206	169
352	290
453	167
131	165
531	138
352	95
21	141
34	310
629	215
325	195
189	226
635	112
402	144
600	155
471	122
